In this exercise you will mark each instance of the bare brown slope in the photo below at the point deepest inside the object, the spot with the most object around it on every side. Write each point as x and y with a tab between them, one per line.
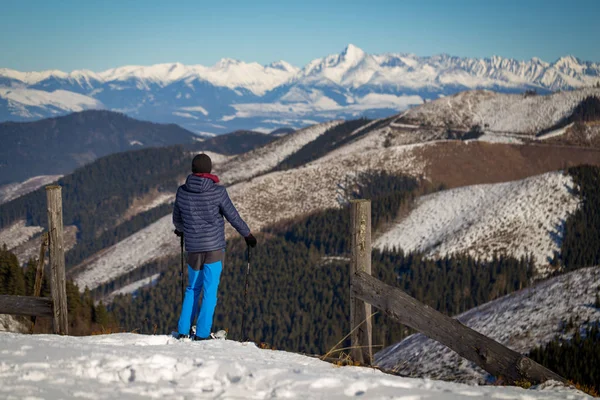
458	163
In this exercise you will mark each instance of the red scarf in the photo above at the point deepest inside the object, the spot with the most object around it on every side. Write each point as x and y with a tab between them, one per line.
212	177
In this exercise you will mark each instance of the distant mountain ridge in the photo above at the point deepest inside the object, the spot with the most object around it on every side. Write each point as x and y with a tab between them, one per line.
59	145
232	95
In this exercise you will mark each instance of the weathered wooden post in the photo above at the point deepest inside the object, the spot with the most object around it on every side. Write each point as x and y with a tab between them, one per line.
360	311
57	260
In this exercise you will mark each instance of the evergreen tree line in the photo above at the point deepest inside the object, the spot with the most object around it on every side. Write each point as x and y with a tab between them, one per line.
577	359
389	195
299	293
581	242
85	317
332	139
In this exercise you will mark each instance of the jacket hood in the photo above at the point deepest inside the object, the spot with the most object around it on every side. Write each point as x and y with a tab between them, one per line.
198	184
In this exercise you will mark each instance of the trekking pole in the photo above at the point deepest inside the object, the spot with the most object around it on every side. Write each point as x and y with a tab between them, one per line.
245	296
181	273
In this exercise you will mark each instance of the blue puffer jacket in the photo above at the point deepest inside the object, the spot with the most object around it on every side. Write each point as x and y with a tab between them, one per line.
199	209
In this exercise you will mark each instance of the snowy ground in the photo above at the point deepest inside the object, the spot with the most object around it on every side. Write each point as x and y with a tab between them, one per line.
130	366
521	321
519	218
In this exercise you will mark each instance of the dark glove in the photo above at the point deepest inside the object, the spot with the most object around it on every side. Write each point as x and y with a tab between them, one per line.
250	240
178	233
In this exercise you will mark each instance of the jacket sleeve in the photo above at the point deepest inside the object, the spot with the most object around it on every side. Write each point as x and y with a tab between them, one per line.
228	210
177	220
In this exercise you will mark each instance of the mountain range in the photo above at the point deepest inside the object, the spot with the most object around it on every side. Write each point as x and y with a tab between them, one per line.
232	94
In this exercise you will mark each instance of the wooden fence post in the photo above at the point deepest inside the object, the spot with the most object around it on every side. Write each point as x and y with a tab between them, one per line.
57	260
360	261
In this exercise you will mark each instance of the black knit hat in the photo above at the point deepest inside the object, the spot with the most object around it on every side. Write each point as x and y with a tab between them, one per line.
201	164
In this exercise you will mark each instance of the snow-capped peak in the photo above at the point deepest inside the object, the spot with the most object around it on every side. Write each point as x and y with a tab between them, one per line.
353	54
568	63
283	66
227	62
33	77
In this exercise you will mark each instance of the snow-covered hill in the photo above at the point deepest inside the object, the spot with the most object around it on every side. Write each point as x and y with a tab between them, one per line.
521	321
265	158
130	366
519	218
234	95
498	112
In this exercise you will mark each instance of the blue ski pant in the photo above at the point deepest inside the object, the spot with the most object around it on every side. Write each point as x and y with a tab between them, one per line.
204	273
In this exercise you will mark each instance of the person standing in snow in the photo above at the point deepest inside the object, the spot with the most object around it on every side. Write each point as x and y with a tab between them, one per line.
200	206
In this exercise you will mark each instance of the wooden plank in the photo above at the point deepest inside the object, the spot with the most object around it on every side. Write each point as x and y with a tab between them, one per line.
26	305
490	355
57	260
360	312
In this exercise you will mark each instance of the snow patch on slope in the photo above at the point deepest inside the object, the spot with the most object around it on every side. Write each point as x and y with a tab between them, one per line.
31	248
516	218
17	234
128	254
13	190
132	287
520	321
135	366
19	99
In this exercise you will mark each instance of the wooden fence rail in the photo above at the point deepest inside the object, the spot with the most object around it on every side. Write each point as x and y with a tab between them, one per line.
26	305
55	307
490	355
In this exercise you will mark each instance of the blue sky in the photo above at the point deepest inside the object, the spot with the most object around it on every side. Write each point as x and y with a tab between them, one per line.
75	34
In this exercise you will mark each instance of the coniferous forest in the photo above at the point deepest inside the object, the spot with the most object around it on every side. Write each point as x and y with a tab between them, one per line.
581	242
577	359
